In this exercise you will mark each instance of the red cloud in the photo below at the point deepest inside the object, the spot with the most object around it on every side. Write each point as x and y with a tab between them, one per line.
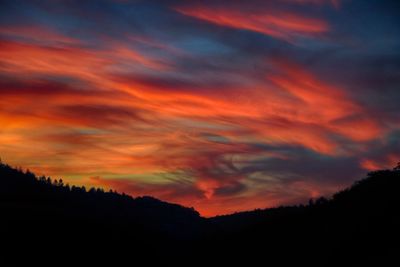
278	24
82	117
384	162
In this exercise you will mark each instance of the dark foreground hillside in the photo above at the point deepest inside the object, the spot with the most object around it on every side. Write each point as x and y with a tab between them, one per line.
46	218
38	213
361	223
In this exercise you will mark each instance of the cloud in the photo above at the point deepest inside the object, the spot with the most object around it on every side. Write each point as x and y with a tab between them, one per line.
38	34
179	192
271	21
335	3
220	105
383	155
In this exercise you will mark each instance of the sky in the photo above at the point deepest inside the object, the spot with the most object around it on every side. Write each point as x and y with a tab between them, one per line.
222	106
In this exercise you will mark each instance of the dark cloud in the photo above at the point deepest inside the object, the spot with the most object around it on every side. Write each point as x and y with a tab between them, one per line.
98	115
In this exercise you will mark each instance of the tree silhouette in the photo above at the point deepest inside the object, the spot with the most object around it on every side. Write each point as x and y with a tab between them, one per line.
359	222
397	168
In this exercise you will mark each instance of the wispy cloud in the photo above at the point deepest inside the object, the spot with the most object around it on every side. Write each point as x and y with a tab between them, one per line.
271	20
220	105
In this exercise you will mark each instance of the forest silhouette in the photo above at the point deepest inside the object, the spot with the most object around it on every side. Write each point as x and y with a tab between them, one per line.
47	217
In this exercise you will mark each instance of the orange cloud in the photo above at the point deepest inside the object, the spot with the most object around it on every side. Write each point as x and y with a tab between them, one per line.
323	109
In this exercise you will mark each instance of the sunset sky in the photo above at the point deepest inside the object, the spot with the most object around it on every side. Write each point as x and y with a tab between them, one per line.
218	105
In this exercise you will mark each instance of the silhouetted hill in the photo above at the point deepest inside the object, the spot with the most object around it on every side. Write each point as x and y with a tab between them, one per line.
40	209
361	223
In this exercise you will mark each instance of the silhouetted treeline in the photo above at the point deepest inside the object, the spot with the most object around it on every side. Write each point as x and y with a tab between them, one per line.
361	223
36	210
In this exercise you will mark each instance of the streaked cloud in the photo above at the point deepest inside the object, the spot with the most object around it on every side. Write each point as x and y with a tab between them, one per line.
270	20
223	106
